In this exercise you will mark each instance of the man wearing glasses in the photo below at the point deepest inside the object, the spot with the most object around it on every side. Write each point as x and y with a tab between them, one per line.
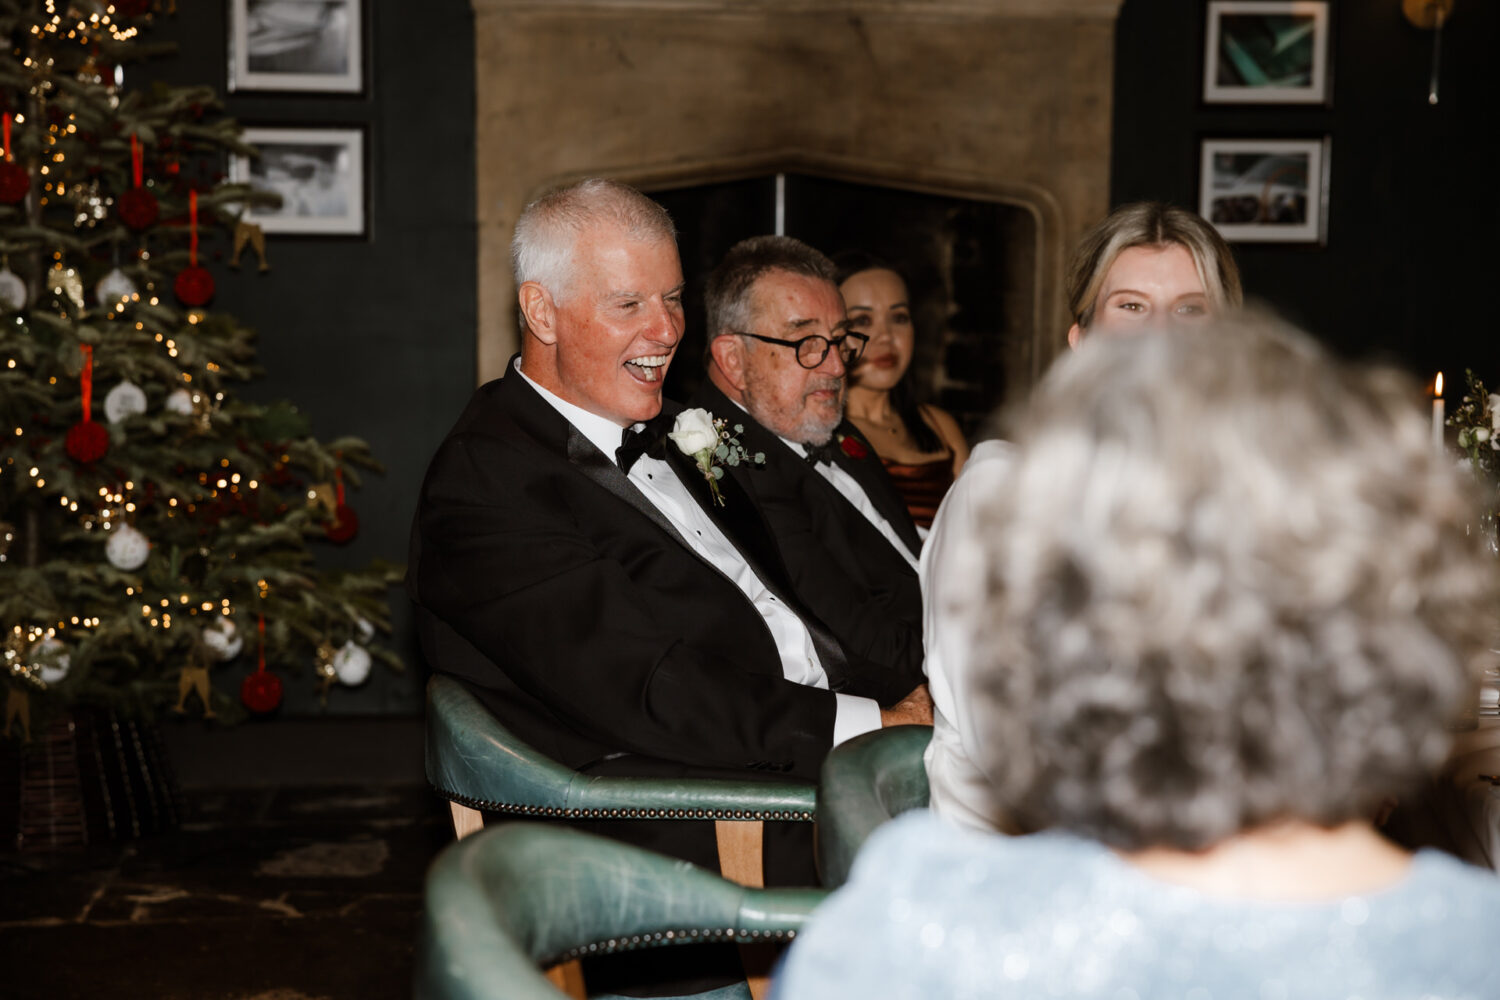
570	565
778	357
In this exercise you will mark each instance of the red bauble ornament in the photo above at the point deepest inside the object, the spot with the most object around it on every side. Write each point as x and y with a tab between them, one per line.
15	181
852	447
194	285
87	441
138	208
344	526
131	8
261	692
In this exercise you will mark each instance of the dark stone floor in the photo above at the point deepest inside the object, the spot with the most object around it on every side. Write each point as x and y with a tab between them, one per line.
289	892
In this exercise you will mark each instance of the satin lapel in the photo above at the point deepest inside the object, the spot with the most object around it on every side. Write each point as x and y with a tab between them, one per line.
549	427
871	475
747	530
593	463
738	516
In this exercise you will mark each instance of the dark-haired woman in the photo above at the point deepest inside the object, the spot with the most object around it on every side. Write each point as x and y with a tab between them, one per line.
920	445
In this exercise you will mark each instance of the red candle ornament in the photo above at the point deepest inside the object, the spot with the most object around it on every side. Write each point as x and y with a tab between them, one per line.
345	523
15	180
137	207
194	285
261	691
87	441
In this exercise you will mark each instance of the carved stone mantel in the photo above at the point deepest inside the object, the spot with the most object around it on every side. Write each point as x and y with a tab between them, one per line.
1001	99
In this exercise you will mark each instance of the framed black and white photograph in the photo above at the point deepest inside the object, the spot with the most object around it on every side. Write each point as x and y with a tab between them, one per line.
319	173
1261	52
291	45
1265	190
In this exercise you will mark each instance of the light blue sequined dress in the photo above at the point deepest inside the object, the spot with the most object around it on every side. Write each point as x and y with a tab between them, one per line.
933	911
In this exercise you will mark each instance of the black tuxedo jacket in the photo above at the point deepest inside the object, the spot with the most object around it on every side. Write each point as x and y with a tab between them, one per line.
845	570
552	587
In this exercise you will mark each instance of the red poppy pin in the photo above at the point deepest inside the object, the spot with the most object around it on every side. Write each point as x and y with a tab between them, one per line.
852	447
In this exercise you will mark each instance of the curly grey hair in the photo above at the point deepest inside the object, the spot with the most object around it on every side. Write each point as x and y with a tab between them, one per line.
1230	582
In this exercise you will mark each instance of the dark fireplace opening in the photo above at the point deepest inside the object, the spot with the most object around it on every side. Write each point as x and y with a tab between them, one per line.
970	264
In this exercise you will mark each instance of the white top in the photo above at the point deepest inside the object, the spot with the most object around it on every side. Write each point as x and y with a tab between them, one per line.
658	482
952	576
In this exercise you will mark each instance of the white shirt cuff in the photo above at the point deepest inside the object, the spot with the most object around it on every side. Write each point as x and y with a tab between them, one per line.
854	715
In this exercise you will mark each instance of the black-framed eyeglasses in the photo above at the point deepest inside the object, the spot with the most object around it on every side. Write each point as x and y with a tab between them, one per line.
812	350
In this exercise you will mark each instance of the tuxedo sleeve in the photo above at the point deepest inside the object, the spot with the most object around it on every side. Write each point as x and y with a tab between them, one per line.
638	647
876	616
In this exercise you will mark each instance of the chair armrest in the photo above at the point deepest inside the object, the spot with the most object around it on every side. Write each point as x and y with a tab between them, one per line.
474	760
518	896
864	783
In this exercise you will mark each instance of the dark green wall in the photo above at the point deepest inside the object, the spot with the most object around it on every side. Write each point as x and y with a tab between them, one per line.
1413	211
376	337
372	337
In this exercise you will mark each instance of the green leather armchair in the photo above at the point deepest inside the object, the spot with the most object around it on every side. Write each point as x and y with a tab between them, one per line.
475	763
864	782
520	895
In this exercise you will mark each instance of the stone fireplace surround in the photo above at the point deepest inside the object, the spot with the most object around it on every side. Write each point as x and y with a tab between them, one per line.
1003	100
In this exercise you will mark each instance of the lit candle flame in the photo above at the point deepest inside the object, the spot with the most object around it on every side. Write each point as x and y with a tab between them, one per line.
1438	388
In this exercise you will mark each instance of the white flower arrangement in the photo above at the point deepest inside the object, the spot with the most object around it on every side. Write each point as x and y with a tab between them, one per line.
706	440
1477	419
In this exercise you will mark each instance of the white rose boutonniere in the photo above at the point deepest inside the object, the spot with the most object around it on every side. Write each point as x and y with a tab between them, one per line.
706	440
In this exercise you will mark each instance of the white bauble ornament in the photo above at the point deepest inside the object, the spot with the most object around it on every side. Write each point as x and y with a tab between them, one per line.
223	638
181	402
50	658
127	548
12	290
113	287
352	664
124	400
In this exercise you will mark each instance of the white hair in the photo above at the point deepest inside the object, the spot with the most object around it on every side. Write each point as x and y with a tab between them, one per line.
549	227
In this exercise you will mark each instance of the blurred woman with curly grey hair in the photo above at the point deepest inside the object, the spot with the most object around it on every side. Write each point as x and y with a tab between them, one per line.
1231	605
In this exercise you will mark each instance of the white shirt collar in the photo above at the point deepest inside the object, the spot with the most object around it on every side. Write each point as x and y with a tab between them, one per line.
602	432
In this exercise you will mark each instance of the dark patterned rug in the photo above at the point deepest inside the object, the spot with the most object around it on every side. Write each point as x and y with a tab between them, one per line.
289	893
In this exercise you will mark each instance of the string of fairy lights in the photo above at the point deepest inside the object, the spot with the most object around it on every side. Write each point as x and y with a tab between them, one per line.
80	27
59	144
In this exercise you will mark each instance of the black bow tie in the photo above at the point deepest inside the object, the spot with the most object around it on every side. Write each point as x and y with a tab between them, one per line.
650	440
824	452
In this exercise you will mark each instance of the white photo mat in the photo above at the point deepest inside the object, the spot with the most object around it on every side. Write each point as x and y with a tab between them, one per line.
1244	64
1265	190
296	45
319	173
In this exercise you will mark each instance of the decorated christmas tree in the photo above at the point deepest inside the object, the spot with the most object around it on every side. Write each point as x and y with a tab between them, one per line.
157	531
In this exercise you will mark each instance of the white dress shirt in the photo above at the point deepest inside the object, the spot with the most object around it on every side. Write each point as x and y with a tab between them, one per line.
855	494
658	482
952	575
850	489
